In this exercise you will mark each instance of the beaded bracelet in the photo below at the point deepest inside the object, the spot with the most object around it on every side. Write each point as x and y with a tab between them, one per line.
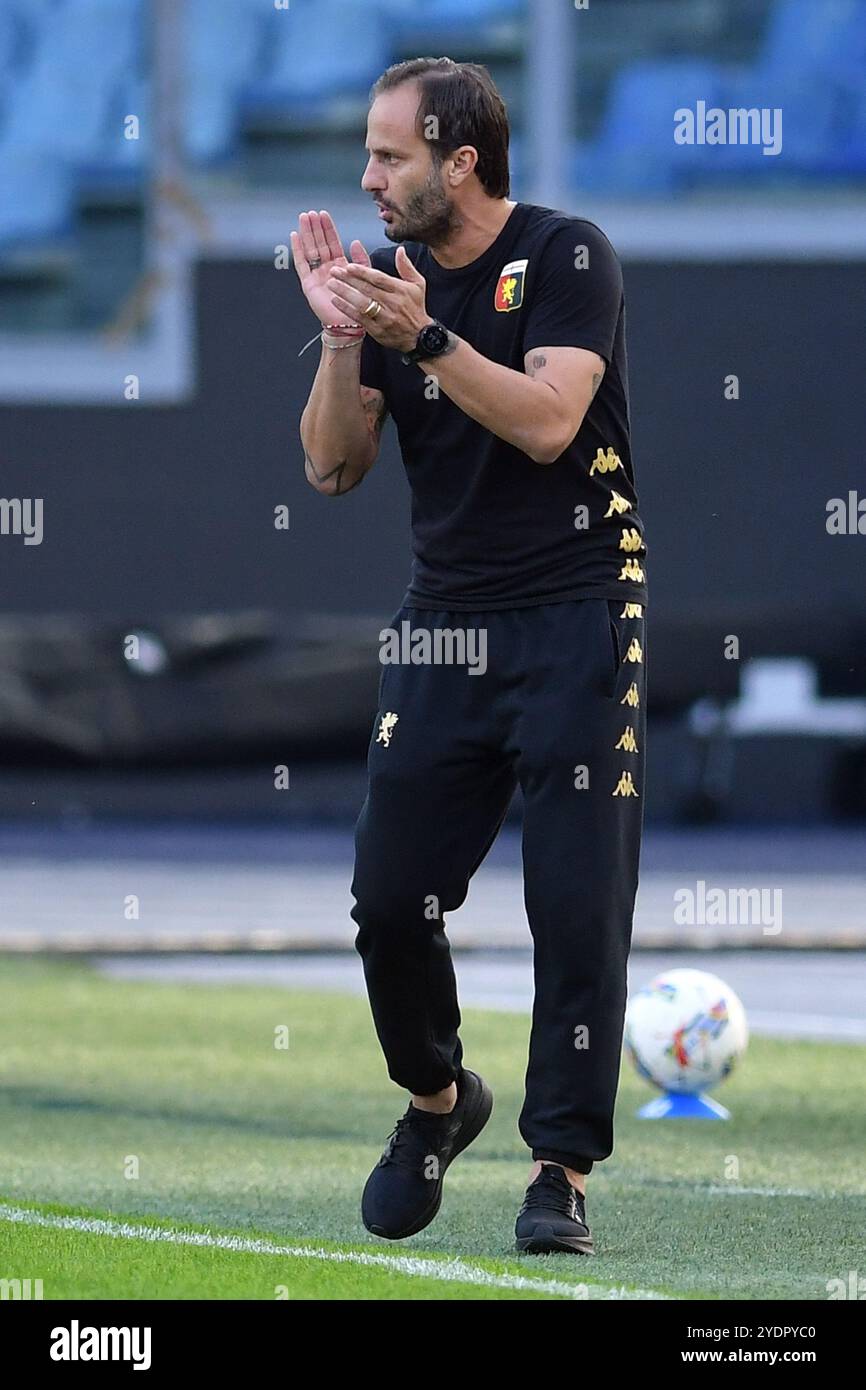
352	332
339	347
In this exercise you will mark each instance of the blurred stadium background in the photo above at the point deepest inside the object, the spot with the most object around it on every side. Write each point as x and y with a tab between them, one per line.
153	159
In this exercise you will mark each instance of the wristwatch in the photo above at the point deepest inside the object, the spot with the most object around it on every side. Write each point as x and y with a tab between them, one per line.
432	342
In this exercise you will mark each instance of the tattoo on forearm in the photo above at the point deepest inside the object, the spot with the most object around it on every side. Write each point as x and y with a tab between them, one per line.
375	411
596	382
336	473
538	361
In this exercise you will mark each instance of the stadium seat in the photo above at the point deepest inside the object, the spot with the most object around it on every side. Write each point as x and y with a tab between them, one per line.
635	148
806	37
807	126
811	66
10	36
436	14
845	156
845	151
37	199
224	40
65	102
30	17
436	23
320	51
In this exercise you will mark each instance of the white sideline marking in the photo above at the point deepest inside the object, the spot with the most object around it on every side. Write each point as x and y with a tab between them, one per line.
449	1270
733	1190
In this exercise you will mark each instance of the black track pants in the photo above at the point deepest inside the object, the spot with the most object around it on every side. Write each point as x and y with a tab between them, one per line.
557	704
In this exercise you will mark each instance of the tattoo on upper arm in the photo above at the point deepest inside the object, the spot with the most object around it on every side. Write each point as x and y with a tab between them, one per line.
539	360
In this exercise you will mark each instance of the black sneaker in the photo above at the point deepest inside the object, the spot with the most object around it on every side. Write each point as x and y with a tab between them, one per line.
553	1217
404	1191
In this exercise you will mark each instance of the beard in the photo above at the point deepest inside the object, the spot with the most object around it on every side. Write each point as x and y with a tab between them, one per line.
429	215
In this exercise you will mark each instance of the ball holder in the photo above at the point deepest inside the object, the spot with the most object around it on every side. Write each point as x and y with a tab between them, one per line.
683	1105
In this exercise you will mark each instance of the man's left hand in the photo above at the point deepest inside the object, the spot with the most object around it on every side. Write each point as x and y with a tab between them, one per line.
403	313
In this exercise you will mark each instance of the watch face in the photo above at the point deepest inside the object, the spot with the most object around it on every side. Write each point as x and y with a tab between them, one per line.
433	338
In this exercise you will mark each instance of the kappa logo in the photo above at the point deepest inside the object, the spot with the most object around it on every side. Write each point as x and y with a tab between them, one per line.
627	740
631	570
631	539
605	462
386	728
631	697
618	505
625	786
509	287
631	610
635	652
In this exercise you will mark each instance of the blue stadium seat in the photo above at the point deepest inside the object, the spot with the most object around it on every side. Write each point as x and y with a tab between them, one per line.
807	126
803	36
844	155
10	38
845	152
320	52
851	151
37	199
65	103
635	149
224	39
435	14
436	22
812	66
32	14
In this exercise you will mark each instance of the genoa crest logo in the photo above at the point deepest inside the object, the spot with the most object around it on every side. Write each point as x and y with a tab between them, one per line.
509	287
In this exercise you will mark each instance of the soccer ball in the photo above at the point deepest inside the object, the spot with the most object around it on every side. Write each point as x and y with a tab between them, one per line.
685	1031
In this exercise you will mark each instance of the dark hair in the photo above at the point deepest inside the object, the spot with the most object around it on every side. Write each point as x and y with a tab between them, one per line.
468	109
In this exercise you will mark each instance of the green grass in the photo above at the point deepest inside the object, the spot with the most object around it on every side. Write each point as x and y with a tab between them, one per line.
78	1265
232	1135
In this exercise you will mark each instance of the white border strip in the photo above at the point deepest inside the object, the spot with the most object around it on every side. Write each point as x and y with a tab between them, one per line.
449	1271
718	229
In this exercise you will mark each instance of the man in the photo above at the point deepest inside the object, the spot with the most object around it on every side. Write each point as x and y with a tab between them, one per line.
495	337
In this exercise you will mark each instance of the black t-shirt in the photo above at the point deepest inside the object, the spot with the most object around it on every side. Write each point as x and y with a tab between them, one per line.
491	528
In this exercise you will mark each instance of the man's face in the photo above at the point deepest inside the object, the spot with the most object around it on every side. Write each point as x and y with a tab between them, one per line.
401	174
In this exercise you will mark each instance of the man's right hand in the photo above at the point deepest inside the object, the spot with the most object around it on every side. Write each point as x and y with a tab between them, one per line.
317	241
